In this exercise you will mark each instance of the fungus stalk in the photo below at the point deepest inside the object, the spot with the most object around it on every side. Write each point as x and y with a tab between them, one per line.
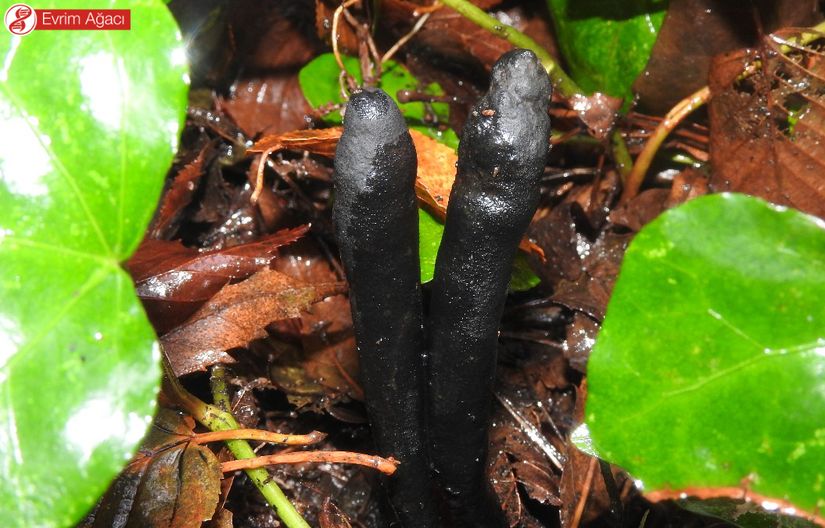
501	156
376	222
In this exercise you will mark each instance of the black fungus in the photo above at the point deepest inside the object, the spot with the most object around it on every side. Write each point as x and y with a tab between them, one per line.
376	222
501	157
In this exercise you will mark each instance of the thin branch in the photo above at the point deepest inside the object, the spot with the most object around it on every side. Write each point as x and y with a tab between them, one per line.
675	116
384	465
406	38
585	493
259	435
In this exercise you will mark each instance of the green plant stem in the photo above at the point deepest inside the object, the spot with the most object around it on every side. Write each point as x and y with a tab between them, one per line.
216	419
561	81
621	156
242	450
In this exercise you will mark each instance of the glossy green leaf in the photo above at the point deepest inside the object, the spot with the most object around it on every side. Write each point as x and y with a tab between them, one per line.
709	370
320	85
606	44
430	232
522	278
89	122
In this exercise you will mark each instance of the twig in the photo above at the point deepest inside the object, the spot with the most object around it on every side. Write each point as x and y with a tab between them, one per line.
384	465
675	116
216	419
588	482
336	16
406	38
257	434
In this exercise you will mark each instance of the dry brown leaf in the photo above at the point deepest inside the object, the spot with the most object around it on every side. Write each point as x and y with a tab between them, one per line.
581	336
768	130
173	280
271	41
221	519
238	314
680	59
328	360
436	173
321	141
504	483
539	482
175	486
179	194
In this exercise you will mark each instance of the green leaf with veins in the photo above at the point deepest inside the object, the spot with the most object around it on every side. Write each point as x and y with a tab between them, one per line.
319	84
89	122
710	365
606	44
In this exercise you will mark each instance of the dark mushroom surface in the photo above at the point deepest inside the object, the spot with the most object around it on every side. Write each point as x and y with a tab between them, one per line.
376	221
503	150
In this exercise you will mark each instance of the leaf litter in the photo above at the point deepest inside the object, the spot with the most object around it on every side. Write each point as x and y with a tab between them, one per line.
220	290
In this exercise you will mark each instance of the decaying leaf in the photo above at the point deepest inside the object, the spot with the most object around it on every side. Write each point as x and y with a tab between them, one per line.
238	314
328	362
179	194
680	59
332	517
173	280
321	141
768	129
167	485
271	45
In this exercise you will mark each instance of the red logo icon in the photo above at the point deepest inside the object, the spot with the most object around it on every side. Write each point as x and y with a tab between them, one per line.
20	19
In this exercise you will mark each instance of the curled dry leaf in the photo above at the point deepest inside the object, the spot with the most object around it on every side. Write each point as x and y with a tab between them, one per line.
238	314
173	280
768	130
176	486
321	141
179	195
